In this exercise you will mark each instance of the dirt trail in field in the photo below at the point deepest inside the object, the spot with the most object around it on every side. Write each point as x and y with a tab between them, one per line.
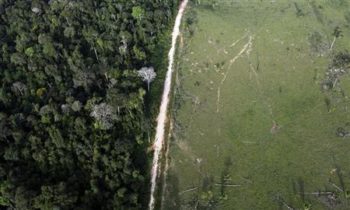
247	48
162	117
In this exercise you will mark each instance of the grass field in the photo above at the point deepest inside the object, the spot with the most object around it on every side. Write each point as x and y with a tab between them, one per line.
254	125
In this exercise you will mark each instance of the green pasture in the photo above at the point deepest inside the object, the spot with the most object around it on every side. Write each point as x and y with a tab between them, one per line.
254	125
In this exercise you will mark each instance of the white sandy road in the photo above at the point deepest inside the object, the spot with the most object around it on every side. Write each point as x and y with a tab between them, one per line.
162	117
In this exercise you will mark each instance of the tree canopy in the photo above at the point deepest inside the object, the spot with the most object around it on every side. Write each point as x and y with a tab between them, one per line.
71	101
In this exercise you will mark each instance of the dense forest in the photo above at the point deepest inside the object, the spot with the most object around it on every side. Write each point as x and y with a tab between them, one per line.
72	111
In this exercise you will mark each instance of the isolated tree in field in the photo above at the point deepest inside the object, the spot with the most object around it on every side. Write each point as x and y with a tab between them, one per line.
147	75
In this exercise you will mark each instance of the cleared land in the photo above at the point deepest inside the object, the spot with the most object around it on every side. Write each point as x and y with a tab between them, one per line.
261	116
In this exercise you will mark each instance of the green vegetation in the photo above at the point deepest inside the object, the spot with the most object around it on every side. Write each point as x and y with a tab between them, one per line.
261	107
72	111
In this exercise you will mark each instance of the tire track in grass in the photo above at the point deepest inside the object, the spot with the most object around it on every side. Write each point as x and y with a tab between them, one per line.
247	48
